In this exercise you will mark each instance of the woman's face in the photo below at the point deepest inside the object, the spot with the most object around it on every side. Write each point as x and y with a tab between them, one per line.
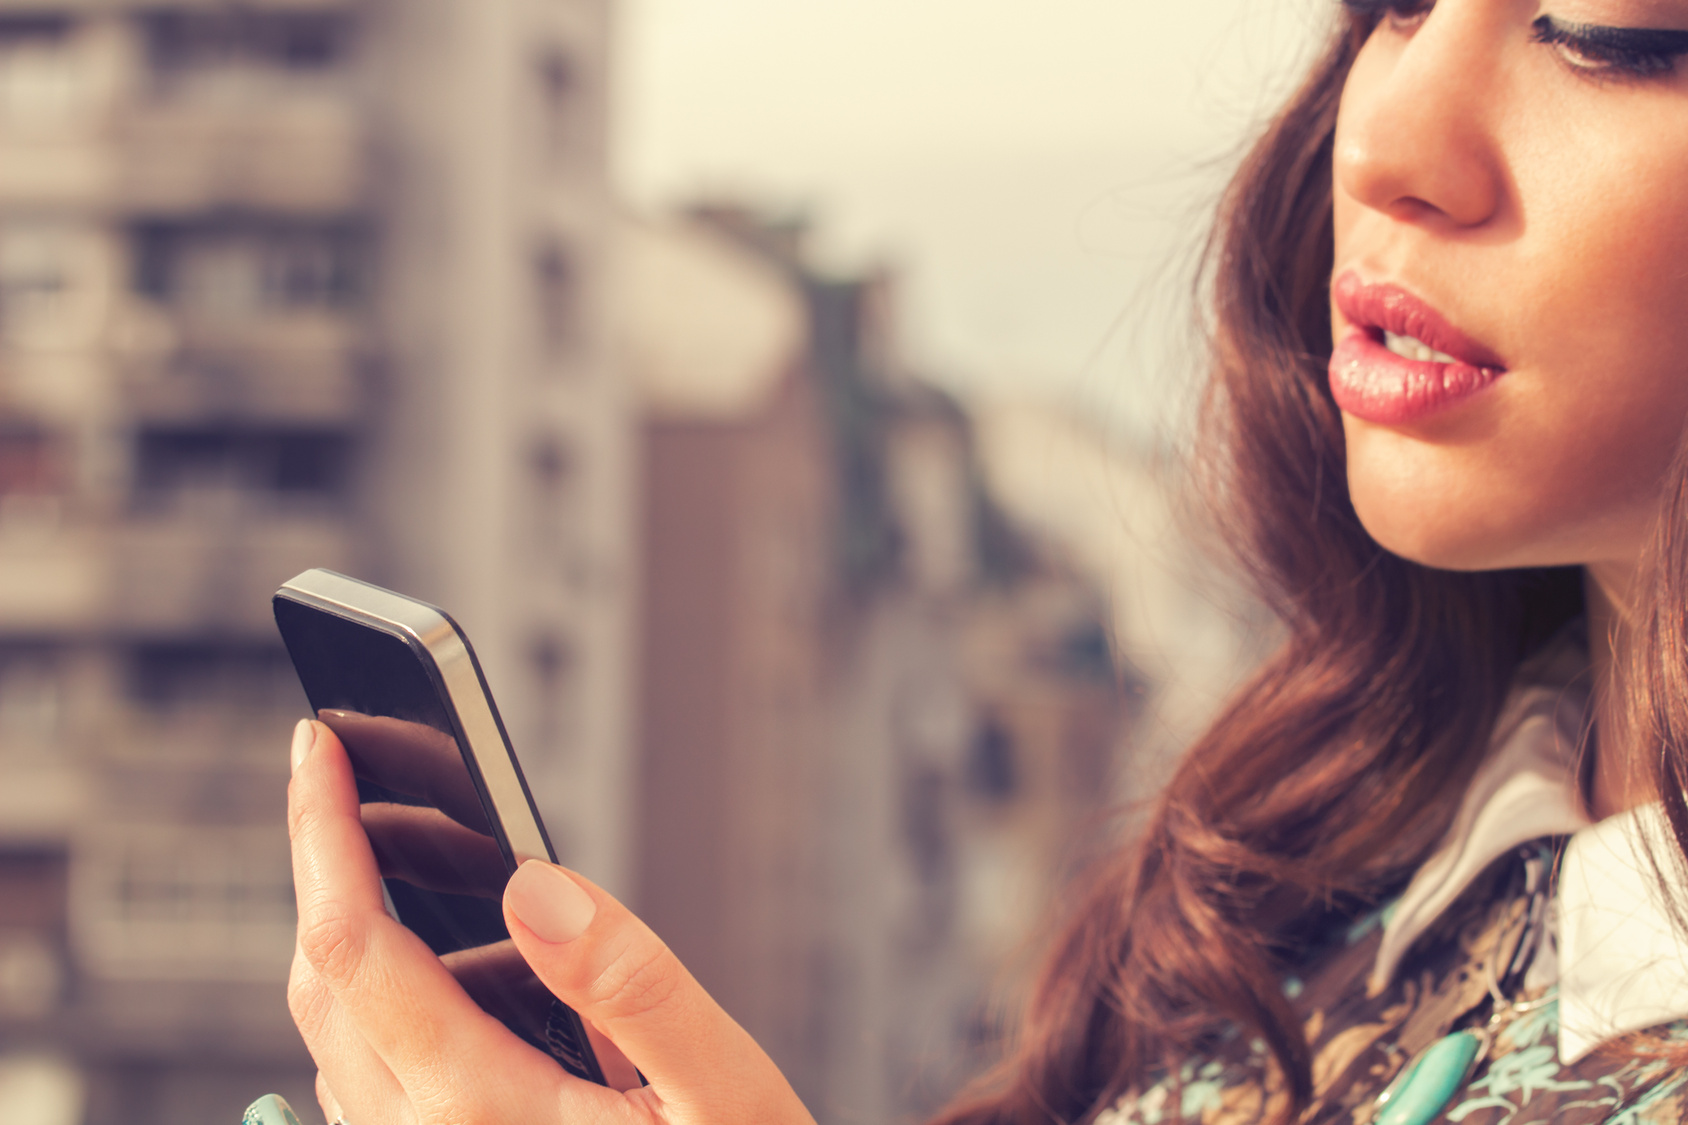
1511	191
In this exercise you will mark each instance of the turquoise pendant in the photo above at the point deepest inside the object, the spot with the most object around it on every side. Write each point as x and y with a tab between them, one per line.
1430	1081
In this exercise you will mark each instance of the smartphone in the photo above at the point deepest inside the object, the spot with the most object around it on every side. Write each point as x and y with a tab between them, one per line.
444	803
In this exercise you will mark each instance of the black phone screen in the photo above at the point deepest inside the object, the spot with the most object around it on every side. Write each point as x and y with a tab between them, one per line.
444	861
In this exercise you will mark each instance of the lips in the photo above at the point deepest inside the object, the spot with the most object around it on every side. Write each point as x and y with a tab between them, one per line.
1375	384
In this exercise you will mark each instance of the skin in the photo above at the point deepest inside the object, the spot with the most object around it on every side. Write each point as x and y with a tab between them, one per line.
1534	201
399	1042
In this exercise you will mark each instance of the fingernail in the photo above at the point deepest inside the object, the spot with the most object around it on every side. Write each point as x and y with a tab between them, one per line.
271	1109
304	737
548	902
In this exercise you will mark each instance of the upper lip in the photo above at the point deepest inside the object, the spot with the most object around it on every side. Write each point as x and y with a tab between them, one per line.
1390	308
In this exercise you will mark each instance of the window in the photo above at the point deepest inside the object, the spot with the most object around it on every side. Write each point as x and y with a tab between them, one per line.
35	280
284	463
30	461
557	80
552	661
173	462
1082	652
556	298
39	79
992	769
31	699
31	976
301	464
244	52
32	926
551	466
184	903
255	680
238	269
197	703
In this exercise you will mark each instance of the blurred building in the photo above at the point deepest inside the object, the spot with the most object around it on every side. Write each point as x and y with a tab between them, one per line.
283	283
1127	517
875	718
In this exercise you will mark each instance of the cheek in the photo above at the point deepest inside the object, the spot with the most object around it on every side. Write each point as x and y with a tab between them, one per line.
1557	464
1518	498
1561	462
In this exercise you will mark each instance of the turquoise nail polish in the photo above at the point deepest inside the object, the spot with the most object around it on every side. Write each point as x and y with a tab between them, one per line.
271	1109
1430	1082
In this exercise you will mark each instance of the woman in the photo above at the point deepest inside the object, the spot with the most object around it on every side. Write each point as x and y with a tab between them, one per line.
1449	341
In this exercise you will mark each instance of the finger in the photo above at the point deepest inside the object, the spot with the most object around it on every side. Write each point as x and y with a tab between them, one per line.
370	969
428	849
442	1049
342	1056
410	758
332	861
606	964
331	1111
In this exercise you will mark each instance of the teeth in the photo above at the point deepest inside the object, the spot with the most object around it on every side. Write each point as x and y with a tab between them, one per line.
1409	348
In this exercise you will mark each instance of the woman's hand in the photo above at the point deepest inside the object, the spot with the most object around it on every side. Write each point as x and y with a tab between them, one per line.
398	1042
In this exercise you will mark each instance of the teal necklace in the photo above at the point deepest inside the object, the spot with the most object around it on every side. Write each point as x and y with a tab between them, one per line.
1431	1078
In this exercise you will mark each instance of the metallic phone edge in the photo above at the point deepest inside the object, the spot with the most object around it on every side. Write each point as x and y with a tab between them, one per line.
440	638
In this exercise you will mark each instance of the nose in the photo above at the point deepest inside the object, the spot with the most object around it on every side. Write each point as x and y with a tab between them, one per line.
1414	137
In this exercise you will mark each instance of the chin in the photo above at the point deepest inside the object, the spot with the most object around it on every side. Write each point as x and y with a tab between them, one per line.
1429	516
1441	543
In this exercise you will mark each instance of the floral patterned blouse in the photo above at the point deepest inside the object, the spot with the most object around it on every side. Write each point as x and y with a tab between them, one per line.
1361	1041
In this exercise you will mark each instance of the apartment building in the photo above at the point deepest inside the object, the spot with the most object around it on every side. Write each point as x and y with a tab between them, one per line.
877	724
283	283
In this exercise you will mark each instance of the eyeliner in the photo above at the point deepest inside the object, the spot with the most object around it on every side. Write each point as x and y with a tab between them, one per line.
1549	29
1374	7
1626	40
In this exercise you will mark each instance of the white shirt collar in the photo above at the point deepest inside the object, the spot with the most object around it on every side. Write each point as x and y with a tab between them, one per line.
1622	964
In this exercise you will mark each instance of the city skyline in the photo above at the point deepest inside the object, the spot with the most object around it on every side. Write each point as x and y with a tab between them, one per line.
349	284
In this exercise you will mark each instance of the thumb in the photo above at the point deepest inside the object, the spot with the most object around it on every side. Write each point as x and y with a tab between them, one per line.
599	959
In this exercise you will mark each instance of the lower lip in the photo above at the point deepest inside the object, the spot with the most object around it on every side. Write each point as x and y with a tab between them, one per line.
1375	385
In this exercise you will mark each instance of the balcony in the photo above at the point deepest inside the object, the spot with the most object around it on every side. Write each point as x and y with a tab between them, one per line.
52	107
182	902
210	710
182	574
53	575
302	154
300	369
36	171
34	6
169	574
43	801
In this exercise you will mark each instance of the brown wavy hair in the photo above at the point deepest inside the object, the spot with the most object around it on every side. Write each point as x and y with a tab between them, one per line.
1333	771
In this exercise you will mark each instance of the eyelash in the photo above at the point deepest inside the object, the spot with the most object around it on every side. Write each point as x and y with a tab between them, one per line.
1595	51
1398	11
1631	52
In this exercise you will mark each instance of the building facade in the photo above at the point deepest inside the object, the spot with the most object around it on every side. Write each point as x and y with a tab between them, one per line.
873	718
283	283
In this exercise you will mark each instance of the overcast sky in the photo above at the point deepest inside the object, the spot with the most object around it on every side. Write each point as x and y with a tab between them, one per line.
1037	168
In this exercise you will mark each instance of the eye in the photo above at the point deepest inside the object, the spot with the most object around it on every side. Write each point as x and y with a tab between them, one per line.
1612	52
1401	15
